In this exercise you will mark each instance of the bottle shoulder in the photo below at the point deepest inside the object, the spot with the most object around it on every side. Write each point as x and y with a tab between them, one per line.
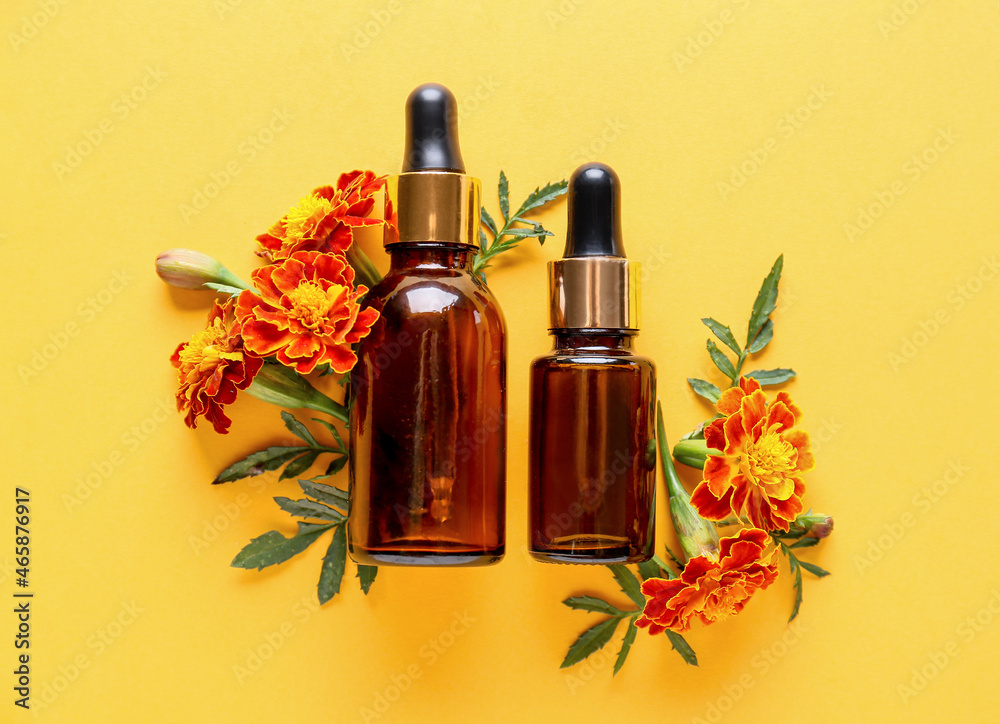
447	293
578	358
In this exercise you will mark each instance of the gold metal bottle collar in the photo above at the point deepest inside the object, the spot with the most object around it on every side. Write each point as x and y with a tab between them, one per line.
594	292
433	206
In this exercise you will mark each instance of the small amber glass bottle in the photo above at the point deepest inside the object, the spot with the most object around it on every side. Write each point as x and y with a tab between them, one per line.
428	413
592	458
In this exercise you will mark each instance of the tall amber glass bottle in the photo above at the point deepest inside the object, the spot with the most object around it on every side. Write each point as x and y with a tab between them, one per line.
592	458
428	412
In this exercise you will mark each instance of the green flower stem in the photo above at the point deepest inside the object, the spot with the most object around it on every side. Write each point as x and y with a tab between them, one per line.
363	266
696	535
285	387
227	277
692	453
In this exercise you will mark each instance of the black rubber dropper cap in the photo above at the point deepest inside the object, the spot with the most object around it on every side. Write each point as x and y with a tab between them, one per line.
432	130
594	227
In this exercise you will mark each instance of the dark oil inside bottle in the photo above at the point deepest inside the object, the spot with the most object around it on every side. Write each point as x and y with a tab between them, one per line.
428	423
592	471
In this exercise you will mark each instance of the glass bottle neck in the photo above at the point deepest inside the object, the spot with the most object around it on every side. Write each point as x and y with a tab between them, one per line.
430	256
596	340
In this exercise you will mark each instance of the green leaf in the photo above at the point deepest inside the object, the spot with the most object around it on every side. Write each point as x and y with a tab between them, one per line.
522	233
222	288
629	584
328	494
761	340
543	195
724	333
649	569
674	558
704	388
484	217
298	429
665	569
589	603
367	574
504	193
333	431
805	543
482	239
335	466
299	465
309	509
259	462
272	547
681	646
721	361
334	562
772	377
813	568
766	300
591	640
626	645
793	565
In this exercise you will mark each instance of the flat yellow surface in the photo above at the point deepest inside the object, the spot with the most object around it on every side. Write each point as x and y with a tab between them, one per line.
858	138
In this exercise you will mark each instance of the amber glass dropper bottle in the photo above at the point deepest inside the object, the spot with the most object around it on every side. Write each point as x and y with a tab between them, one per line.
592	458
428	413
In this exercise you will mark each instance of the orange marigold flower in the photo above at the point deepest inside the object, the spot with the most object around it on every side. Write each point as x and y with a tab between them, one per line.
761	458
212	367
325	220
710	589
307	313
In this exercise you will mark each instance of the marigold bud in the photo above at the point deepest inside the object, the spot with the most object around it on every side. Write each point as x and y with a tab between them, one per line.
190	269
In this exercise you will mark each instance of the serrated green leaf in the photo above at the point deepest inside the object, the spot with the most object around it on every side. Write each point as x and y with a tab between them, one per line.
259	462
366	575
705	388
766	300
628	583
298	466
504	194
334	563
814	569
222	288
649	569
681	646
626	645
665	569
762	338
772	377
591	640
325	493
724	333
794	567
805	543
720	360
333	431
523	233
297	428
590	603
484	217
309	509
543	195
272	547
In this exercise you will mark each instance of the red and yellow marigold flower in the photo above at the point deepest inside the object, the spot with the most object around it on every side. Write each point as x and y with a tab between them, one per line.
325	219
758	459
212	368
307	313
710	589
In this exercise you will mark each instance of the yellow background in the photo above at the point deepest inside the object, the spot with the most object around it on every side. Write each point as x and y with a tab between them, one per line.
892	331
